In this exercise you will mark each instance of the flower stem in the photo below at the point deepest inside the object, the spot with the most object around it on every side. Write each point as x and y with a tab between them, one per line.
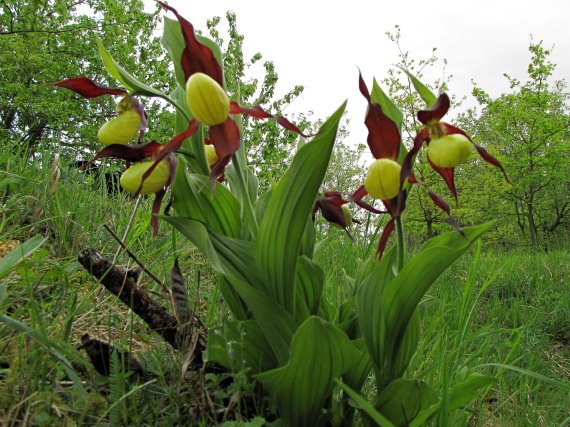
400	243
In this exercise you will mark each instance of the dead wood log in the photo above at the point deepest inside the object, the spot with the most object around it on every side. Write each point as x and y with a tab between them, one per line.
132	296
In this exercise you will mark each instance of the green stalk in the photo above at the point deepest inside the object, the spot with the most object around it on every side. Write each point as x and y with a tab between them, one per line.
400	243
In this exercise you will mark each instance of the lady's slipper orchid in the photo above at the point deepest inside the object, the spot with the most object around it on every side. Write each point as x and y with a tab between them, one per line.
334	210
383	179
208	102
449	151
132	179
450	144
120	130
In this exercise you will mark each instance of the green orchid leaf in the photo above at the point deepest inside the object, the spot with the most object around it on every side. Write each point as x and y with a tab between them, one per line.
371	318
192	199
173	42
236	305
366	407
407	348
402	400
230	257
390	109
130	82
275	322
183	114
291	204
12	259
307	247
403	294
426	94
240	345
347	317
359	370
320	353
308	289
261	205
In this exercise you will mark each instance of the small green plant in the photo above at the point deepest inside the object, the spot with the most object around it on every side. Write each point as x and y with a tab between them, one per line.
311	354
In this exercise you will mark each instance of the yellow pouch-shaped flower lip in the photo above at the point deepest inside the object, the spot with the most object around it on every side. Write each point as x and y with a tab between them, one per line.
131	179
211	155
449	151
120	130
208	102
383	179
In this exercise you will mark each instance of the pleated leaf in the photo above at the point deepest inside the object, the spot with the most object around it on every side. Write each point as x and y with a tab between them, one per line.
360	368
275	322
192	199
308	289
390	109
401	359
404	292
291	204
402	400
426	94
239	345
320	353
231	257
369	308
130	82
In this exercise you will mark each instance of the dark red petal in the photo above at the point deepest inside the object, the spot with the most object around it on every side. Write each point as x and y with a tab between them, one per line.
226	140
359	194
172	160
259	113
332	213
357	197
383	135
176	142
159	195
448	176
436	111
172	145
196	57
130	153
87	88
406	171
333	198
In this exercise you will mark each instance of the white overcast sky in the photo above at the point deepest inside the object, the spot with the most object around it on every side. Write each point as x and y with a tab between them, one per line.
320	44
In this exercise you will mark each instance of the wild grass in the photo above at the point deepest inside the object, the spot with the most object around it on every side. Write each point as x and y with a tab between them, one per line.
493	313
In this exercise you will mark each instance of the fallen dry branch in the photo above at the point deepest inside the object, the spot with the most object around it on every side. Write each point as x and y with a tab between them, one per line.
157	319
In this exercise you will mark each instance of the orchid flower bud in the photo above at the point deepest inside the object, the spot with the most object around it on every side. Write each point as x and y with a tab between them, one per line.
131	179
211	155
347	217
120	130
383	179
449	151
208	102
